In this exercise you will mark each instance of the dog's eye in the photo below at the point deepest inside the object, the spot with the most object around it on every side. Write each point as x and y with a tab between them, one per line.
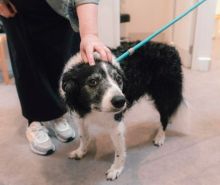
93	82
118	78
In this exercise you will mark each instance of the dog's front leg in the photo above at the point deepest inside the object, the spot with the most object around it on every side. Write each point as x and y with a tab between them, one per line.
84	141
118	139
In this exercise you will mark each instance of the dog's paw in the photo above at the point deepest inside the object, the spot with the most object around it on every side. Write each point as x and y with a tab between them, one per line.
159	138
76	154
113	173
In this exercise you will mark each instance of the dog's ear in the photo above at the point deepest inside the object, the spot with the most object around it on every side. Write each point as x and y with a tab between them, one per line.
69	83
123	76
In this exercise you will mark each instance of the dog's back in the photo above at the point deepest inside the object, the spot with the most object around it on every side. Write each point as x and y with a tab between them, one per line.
154	69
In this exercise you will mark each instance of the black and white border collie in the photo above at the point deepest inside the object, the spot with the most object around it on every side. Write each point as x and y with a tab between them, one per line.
102	93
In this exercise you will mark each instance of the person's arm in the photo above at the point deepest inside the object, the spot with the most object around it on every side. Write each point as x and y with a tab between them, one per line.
7	9
88	27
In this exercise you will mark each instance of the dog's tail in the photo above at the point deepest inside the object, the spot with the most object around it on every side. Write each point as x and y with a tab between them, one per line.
181	120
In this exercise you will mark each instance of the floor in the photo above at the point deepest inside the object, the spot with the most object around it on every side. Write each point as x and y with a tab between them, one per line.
190	155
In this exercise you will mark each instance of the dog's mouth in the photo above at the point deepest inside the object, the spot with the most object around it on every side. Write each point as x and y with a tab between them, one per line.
116	110
113	110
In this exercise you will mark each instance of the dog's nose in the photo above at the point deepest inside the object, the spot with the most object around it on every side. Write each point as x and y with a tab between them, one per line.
118	101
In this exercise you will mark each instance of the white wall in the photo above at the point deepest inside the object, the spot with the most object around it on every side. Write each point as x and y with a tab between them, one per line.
218	8
203	36
184	31
217	21
109	22
146	16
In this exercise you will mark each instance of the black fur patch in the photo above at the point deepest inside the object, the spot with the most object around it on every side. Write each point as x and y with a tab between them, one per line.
118	117
154	69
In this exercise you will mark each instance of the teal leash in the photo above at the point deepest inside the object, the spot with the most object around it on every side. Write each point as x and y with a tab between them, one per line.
142	43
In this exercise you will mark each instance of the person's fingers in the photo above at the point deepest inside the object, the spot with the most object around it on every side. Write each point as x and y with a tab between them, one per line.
109	54
83	55
91	44
102	52
89	55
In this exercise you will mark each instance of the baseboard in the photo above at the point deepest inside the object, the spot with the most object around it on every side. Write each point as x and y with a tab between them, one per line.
202	64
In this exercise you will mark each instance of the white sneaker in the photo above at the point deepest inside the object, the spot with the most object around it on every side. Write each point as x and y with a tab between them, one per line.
63	131
40	142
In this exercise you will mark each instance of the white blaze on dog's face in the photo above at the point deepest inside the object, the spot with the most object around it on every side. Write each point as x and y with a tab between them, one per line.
113	98
99	87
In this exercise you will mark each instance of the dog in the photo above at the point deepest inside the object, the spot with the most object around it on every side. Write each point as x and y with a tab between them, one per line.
102	93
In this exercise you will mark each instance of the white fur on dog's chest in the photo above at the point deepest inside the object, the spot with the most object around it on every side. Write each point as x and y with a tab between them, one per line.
101	119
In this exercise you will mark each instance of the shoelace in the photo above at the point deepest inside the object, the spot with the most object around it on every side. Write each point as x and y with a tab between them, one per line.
40	133
62	125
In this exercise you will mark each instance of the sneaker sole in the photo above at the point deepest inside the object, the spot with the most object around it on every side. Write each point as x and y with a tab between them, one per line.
64	140
54	133
49	152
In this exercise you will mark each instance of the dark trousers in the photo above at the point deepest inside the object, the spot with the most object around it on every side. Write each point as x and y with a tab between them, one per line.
40	42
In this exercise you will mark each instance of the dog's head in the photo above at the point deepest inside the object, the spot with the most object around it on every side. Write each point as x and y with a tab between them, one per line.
85	88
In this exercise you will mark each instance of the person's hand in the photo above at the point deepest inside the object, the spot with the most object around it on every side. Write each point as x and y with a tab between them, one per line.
91	43
7	9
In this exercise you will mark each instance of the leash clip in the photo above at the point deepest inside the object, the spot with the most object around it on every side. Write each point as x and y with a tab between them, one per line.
131	51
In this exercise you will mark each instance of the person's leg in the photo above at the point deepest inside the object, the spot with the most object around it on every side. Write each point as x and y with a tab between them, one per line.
39	43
